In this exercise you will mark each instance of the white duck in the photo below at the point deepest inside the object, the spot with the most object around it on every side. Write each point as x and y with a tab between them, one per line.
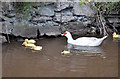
84	41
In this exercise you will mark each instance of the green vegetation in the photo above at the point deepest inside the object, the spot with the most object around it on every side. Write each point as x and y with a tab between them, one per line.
81	3
24	7
103	9
106	7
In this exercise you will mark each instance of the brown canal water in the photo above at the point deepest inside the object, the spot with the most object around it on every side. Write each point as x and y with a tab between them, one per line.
18	61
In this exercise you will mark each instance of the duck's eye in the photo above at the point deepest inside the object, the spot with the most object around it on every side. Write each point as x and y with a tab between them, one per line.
65	33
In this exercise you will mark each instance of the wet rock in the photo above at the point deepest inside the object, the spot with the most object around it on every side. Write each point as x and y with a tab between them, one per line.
46	10
113	12
45	17
66	16
40	24
1	17
1	24
10	15
7	6
49	3
6	27
39	4
112	20
48	23
24	30
51	23
82	10
71	4
76	28
87	22
49	30
7	19
1	11
84	20
0	6
116	25
61	5
36	4
2	39
41	19
55	24
80	18
67	11
1	14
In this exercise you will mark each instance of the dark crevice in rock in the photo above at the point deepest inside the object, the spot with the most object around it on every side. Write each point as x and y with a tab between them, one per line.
13	38
38	33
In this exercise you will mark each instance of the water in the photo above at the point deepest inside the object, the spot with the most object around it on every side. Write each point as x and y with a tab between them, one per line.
101	61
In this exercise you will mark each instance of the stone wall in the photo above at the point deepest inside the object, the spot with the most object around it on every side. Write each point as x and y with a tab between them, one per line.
46	19
113	19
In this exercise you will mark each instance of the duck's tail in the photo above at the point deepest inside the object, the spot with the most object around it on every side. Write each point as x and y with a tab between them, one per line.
104	37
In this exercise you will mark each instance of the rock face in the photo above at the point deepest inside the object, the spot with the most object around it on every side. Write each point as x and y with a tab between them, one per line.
62	5
2	39
1	24
77	28
82	10
24	30
46	10
66	17
6	27
45	19
49	30
41	19
112	20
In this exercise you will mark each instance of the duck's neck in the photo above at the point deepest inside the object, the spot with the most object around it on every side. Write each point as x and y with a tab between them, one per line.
70	39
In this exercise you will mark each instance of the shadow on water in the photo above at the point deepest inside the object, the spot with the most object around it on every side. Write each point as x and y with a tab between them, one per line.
100	61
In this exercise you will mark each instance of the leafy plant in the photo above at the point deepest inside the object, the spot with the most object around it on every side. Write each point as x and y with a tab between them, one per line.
106	7
103	9
81	3
24	7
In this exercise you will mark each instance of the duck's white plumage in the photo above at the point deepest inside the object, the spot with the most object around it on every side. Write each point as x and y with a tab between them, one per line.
84	41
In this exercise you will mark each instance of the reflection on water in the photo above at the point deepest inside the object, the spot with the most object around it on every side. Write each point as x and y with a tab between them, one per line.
100	61
85	50
116	39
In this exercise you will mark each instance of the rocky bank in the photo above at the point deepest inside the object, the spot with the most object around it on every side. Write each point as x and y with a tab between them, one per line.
46	19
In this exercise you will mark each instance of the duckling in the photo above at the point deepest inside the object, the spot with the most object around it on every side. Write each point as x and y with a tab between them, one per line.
28	45
65	52
116	35
36	47
30	41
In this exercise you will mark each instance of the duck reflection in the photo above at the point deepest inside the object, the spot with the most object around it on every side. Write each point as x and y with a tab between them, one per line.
85	50
116	40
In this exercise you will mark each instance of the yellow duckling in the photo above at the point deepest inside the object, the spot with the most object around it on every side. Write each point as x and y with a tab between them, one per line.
36	47
65	52
28	45
116	35
30	41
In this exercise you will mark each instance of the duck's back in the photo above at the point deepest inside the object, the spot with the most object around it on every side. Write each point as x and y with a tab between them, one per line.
87	41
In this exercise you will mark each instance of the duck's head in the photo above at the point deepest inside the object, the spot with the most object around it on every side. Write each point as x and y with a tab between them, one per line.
114	34
26	40
24	43
67	34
